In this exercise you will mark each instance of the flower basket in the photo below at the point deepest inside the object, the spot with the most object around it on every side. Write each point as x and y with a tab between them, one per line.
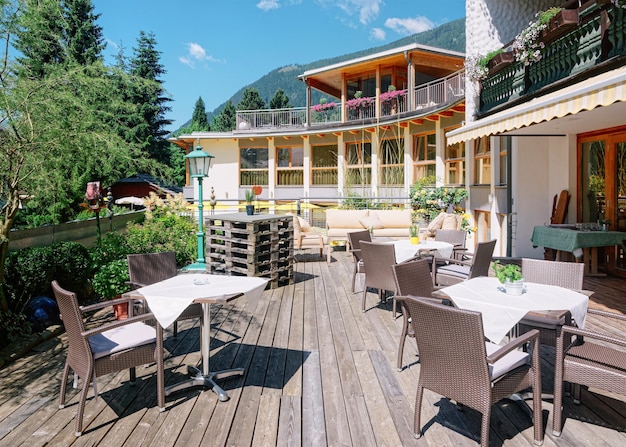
499	61
561	23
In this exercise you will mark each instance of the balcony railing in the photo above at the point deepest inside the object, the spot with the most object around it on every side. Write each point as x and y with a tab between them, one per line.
431	95
595	41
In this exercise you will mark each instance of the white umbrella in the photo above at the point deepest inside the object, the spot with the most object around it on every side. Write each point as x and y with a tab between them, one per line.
130	200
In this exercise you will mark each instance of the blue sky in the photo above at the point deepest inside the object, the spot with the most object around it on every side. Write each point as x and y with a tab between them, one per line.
211	49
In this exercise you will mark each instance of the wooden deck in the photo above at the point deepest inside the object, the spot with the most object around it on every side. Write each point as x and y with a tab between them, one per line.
319	373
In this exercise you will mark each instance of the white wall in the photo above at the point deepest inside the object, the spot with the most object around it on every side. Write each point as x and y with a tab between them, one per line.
224	173
542	168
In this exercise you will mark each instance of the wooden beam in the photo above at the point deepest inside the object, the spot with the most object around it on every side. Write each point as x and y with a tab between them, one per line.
446	113
432	117
337	134
417	121
324	87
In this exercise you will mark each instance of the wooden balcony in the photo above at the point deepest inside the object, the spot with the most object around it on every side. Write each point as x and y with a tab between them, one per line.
596	44
424	98
319	372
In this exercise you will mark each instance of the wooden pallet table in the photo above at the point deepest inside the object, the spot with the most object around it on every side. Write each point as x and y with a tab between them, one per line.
257	245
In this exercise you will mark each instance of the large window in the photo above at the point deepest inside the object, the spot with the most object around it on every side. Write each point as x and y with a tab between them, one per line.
289	166
455	164
482	161
324	165
358	164
424	156
253	166
392	161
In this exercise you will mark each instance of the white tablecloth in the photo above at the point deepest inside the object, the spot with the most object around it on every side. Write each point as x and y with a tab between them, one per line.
501	312
169	298
405	250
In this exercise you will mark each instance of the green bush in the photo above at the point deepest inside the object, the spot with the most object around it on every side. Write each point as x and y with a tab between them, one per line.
112	246
111	279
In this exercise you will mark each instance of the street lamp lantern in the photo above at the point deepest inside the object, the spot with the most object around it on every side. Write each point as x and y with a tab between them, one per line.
199	165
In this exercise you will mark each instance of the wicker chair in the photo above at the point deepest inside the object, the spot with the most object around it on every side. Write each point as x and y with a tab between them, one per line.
455	362
455	271
149	268
106	349
412	278
454	237
600	365
563	274
355	237
383	256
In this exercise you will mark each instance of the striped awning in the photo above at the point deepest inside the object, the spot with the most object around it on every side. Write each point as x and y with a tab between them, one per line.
602	90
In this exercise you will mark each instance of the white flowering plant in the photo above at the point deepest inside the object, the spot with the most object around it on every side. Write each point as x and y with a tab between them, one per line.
527	46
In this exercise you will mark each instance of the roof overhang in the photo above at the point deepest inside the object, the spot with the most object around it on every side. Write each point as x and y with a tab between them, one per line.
599	91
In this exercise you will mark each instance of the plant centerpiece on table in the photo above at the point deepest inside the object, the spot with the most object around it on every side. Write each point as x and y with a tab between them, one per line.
527	45
511	276
414	234
110	281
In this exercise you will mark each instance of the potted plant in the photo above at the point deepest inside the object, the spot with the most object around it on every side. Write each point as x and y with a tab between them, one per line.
250	196
511	276
110	281
527	45
604	224
414	234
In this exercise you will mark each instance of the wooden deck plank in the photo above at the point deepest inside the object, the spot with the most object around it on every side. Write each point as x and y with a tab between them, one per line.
319	372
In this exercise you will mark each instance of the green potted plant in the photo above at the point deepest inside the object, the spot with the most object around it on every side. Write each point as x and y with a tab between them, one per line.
249	199
414	234
110	281
511	276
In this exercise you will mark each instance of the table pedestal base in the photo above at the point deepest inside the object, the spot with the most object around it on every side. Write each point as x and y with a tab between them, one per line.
206	380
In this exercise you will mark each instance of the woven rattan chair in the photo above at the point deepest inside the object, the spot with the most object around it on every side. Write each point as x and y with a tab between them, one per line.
355	237
381	256
454	237
149	268
109	348
601	365
454	271
563	274
412	278
455	362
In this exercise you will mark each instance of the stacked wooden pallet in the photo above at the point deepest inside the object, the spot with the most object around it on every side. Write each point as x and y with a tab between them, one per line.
258	245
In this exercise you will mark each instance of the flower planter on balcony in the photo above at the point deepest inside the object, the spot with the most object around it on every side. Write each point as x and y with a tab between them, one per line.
499	61
564	21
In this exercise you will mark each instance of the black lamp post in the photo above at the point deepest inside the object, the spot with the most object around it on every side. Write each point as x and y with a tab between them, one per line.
199	164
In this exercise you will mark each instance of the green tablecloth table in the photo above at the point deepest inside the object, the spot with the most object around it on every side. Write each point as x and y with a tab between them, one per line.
582	244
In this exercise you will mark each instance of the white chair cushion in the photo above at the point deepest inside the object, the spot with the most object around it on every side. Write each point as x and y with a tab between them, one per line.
456	270
121	338
304	225
507	363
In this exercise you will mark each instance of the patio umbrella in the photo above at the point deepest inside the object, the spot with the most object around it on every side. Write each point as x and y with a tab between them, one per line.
130	200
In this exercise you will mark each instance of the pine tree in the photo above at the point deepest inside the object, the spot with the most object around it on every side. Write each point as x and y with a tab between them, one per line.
82	36
280	100
251	100
226	120
150	98
199	119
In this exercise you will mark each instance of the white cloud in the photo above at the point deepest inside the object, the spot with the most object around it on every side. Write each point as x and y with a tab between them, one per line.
410	25
377	34
196	53
267	5
367	10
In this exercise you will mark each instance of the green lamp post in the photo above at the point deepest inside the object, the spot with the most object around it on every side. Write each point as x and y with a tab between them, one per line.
199	164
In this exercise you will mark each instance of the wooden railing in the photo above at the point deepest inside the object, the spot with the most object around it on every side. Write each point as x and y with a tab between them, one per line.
598	39
426	96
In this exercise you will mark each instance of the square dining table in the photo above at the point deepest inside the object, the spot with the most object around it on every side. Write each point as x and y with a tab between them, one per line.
167	299
501	312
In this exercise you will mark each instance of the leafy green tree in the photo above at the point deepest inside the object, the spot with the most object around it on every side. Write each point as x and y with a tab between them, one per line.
151	99
226	120
199	119
82	37
251	100
279	100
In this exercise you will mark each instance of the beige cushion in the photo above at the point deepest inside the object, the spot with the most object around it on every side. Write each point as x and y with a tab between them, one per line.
345	218
121	338
451	222
394	218
371	221
507	363
437	222
304	225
